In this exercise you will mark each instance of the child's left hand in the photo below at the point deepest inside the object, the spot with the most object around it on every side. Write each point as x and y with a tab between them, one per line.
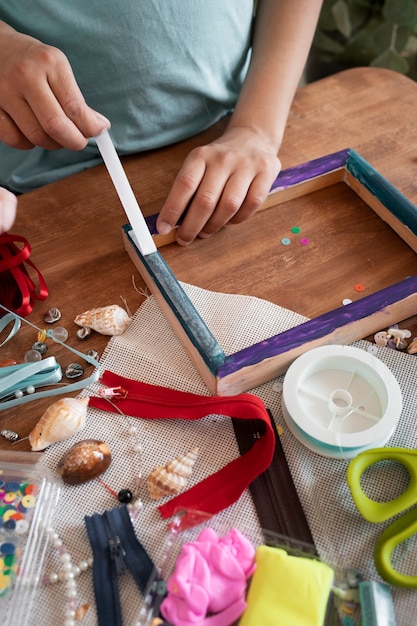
223	182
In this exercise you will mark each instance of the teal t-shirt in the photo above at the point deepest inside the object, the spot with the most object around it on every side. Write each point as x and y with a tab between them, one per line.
159	70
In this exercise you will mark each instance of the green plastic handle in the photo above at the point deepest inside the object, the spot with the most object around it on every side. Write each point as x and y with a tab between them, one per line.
381	511
402	528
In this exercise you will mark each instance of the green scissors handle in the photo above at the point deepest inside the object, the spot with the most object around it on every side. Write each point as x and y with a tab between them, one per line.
402	528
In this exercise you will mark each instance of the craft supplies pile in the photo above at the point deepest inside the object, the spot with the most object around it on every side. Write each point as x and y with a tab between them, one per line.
340	402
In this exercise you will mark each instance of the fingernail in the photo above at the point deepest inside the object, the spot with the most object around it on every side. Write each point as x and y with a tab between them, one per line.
203	235
163	228
181	242
103	120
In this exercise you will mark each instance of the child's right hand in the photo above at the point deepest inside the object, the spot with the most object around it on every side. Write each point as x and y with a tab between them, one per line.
40	101
8	206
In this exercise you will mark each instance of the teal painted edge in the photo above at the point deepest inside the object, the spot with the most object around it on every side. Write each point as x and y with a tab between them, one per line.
404	210
182	307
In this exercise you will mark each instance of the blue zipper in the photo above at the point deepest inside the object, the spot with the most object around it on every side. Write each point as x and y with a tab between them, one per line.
116	549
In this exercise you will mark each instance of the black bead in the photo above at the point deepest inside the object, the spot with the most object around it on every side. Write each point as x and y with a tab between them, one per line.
125	496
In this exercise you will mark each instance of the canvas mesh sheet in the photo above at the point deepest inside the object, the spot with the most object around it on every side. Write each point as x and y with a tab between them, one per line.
149	351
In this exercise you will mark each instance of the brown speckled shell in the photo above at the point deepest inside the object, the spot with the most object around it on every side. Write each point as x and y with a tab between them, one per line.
85	461
171	478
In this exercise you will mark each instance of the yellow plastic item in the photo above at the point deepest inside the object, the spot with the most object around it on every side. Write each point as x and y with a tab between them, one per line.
287	589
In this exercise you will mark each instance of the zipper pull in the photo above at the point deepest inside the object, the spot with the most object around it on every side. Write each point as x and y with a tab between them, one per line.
117	554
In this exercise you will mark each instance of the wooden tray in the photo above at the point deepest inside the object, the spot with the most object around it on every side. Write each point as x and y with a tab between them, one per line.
247	368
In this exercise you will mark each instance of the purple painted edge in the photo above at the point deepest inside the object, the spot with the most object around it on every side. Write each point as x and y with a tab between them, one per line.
318	327
291	176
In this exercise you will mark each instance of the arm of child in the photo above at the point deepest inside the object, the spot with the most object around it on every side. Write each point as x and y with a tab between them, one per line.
8	205
227	180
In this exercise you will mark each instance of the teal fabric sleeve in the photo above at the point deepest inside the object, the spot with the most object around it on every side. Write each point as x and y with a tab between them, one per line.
160	71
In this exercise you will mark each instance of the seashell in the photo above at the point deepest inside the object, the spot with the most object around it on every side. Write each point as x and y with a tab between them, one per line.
171	478
61	420
93	353
52	315
74	370
83	333
8	434
80	611
412	347
107	320
85	461
40	346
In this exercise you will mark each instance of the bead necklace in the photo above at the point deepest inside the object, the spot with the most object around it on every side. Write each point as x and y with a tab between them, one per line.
67	574
126	496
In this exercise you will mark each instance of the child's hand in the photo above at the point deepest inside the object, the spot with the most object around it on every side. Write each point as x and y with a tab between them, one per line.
40	101
8	205
223	182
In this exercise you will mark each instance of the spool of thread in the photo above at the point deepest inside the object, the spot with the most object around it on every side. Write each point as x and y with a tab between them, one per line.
340	400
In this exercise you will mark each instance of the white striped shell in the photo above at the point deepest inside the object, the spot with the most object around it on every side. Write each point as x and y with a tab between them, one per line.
106	320
171	478
61	420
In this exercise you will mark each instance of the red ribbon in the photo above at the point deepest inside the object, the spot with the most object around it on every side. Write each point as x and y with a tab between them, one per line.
17	289
224	487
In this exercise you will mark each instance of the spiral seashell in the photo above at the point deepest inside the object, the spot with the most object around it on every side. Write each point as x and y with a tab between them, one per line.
61	420
106	320
171	478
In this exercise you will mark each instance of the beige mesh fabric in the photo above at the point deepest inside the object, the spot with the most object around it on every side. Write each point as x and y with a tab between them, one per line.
149	351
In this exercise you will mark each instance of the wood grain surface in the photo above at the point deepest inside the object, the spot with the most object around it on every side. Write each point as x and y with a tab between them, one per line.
74	226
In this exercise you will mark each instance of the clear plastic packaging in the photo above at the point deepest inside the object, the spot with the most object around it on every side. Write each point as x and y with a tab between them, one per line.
185	527
28	500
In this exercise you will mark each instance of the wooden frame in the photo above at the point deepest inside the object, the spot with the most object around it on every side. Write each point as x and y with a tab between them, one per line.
254	365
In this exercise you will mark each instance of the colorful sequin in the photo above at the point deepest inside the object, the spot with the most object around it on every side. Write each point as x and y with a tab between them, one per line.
17	501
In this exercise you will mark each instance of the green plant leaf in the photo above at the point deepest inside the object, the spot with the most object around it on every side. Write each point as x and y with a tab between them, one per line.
391	60
326	19
324	43
401	12
341	16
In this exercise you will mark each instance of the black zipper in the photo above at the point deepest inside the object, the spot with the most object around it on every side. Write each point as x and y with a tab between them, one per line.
273	492
106	591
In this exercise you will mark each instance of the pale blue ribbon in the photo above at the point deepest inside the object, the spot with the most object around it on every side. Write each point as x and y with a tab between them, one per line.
5	321
40	373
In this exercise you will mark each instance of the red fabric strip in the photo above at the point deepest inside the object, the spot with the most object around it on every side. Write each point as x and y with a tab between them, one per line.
17	289
224	487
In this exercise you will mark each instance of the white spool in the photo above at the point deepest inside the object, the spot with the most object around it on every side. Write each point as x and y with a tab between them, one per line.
340	400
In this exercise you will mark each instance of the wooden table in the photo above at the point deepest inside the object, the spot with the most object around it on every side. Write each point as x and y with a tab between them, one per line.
74	226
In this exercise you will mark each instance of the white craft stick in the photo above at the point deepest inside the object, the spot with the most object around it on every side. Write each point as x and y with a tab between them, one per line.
125	192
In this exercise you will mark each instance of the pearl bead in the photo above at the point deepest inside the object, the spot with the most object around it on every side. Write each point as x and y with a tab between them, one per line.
84	566
18	393
76	570
132	430
69	622
137	447
30	389
53	578
70	614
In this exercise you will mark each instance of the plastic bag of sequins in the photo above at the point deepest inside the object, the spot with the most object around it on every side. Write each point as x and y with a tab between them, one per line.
29	496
